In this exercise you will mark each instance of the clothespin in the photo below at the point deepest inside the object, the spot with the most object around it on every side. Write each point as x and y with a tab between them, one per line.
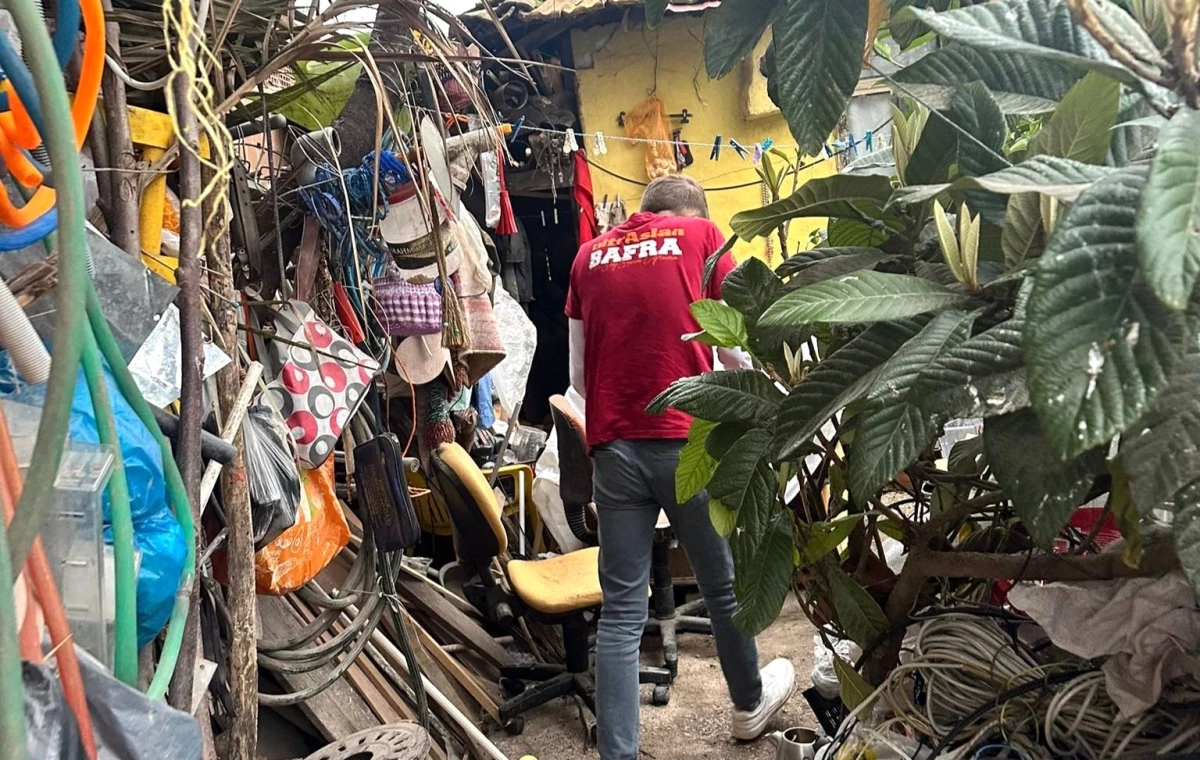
828	151
516	130
601	147
767	143
741	149
543	218
870	140
853	146
758	153
570	145
716	151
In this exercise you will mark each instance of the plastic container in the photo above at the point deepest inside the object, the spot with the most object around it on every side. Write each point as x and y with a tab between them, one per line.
73	536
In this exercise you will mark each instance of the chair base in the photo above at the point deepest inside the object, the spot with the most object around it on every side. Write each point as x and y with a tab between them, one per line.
682	620
555	681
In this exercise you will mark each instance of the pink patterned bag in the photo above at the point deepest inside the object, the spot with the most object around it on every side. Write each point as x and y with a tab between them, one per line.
409	309
322	380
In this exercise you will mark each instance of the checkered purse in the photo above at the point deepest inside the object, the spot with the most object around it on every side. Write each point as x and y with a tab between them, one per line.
409	309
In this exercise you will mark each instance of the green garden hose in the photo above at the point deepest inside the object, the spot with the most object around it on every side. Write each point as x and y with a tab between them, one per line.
125	652
176	494
12	688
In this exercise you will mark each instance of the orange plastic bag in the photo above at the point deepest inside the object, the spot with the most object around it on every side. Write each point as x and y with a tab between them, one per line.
649	121
305	549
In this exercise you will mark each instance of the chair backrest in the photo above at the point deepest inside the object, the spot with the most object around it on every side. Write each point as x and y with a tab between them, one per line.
574	466
479	533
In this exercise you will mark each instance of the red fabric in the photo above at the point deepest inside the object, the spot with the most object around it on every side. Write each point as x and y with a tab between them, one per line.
346	315
508	222
588	229
633	287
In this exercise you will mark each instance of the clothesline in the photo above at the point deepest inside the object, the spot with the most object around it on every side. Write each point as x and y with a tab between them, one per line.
600	138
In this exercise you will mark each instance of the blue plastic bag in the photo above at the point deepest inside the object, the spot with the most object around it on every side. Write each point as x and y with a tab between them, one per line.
156	532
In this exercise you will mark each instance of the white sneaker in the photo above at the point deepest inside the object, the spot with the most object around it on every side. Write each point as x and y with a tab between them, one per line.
778	684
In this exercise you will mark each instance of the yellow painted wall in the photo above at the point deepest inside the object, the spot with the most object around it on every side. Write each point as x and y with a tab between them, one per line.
628	65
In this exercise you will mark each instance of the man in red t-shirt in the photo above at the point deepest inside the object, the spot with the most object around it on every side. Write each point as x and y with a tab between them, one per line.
629	306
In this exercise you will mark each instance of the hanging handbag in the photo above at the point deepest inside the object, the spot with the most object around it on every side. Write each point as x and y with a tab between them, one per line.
409	309
383	497
322	380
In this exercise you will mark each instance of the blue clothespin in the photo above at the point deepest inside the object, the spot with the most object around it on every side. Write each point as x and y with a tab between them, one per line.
767	143
741	150
828	151
716	151
870	139
853	146
516	130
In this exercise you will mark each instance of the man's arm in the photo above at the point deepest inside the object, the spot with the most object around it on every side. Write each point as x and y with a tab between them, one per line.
576	352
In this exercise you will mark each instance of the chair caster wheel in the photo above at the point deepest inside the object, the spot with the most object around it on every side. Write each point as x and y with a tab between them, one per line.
511	687
515	727
661	695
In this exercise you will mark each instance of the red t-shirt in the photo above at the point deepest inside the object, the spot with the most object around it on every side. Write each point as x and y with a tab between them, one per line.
633	288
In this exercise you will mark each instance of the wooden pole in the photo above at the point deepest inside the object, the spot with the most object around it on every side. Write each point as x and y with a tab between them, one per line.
125	193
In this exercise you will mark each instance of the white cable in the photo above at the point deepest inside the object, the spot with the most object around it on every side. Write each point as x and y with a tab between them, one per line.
129	81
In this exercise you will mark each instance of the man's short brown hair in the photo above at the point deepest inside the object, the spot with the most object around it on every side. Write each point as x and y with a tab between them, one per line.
677	195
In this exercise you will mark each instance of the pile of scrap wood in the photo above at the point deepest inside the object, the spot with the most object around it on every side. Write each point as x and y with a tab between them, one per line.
458	653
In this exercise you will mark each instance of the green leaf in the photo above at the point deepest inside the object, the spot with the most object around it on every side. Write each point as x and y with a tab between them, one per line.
750	288
820	271
1168	225
710	264
1060	178
857	611
732	30
724	436
655	10
825	537
849	233
982	130
732	396
934	152
863	297
844	376
1099	346
763	562
1129	33
905	28
947	241
723	519
1132	139
1081	126
1044	489
723	325
1161	452
838	195
1012	78
1023	236
743	476
1125	514
984	376
1041	29
695	465
852	687
806	259
894	429
1186	529
818	58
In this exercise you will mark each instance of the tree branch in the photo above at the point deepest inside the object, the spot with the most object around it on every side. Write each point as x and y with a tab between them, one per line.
1040	567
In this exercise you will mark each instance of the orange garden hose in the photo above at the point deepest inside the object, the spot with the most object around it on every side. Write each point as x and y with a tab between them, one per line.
17	130
38	572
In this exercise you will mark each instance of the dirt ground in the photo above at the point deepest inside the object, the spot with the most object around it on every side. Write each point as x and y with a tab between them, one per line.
696	722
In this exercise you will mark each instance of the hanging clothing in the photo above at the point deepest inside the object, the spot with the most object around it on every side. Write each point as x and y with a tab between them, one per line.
516	264
584	199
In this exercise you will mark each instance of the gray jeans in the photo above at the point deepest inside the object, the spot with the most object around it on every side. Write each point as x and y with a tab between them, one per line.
633	480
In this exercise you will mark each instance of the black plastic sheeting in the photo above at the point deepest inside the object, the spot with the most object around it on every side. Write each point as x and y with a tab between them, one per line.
127	724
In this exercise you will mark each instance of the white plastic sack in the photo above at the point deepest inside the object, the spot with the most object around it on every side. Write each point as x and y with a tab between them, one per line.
545	487
520	342
824	677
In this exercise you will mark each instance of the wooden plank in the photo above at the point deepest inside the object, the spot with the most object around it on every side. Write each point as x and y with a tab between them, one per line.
464	630
375	699
337	711
456	670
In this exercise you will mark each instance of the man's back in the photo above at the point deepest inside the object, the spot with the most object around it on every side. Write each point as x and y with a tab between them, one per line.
632	288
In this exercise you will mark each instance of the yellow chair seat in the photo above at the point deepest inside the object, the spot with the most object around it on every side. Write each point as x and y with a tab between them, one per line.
562	584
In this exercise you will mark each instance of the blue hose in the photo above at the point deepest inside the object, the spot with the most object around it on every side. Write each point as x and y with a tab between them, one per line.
22	81
34	232
66	34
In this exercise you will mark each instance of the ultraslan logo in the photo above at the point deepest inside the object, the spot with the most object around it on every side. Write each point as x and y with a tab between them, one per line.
663	242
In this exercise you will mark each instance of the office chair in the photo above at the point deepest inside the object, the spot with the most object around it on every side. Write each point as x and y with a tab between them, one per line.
575	487
559	591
